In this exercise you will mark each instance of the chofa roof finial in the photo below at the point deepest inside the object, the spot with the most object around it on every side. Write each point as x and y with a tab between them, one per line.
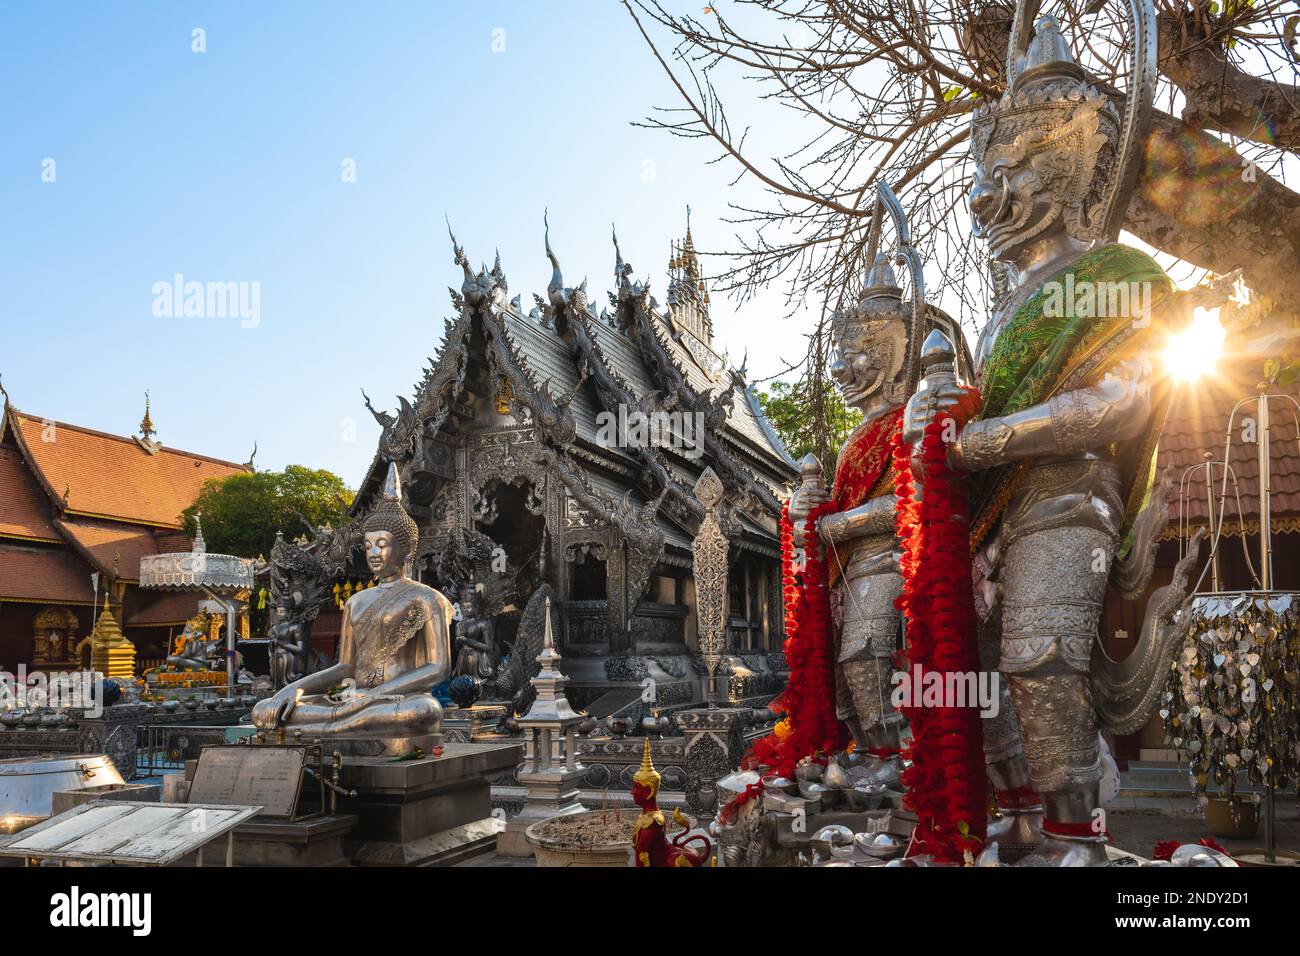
147	431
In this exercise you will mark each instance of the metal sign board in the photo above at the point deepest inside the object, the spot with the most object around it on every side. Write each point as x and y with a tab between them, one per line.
122	832
269	777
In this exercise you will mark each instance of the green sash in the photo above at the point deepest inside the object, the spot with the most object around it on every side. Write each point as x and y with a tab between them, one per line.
1068	335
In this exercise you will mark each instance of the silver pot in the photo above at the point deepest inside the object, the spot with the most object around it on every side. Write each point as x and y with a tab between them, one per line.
655	724
780	784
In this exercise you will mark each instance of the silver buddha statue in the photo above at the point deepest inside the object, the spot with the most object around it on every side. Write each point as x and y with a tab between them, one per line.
1060	449
393	648
876	366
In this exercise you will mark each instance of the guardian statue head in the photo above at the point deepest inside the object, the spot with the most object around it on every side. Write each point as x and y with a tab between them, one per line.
1053	157
877	340
871	343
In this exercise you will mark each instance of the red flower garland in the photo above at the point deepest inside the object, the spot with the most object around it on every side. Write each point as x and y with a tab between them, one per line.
946	780
727	815
809	697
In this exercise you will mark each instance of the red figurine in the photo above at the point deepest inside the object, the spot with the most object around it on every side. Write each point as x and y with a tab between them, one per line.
649	838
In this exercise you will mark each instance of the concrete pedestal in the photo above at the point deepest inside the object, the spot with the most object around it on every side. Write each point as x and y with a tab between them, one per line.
316	841
551	793
426	812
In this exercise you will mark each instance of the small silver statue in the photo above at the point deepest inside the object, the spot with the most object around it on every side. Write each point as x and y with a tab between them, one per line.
288	648
195	652
476	639
393	648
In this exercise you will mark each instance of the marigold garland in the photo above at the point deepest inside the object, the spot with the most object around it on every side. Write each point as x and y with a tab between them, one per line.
946	781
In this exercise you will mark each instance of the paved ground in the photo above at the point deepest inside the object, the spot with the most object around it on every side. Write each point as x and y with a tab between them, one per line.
1137	823
491	859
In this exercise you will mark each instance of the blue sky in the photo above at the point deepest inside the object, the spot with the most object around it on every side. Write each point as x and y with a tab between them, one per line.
227	166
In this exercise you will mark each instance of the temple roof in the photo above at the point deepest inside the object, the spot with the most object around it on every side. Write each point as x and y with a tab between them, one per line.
24	509
123	501
105	544
42	575
88	473
550	359
569	365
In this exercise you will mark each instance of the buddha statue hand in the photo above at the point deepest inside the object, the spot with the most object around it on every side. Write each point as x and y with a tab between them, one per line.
274	712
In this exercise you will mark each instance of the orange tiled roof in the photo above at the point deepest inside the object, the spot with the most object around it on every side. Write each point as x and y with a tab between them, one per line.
47	575
23	506
1198	424
163	609
109	476
100	542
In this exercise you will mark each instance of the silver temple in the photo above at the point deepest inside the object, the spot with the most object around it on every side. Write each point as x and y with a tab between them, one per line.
553	453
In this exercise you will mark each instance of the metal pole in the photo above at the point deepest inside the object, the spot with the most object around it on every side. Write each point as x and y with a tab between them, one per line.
1266	581
231	669
1265	506
1209	504
1270	844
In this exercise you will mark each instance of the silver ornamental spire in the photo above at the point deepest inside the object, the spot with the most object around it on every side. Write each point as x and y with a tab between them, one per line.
881	279
1048	56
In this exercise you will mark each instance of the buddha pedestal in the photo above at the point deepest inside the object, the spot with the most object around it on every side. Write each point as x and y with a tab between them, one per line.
435	811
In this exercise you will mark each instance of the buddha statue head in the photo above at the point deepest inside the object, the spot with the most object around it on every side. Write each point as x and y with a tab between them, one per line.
1053	158
391	535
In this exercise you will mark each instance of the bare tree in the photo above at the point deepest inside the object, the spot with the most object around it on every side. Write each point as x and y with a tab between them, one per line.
885	88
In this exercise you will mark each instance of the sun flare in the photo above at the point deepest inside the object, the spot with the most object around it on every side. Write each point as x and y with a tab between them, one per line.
1193	352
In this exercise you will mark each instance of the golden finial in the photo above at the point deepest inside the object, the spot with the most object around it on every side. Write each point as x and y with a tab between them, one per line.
647	776
147	430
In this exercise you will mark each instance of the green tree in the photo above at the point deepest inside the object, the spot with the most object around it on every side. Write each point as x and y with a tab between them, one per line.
241	513
790	409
